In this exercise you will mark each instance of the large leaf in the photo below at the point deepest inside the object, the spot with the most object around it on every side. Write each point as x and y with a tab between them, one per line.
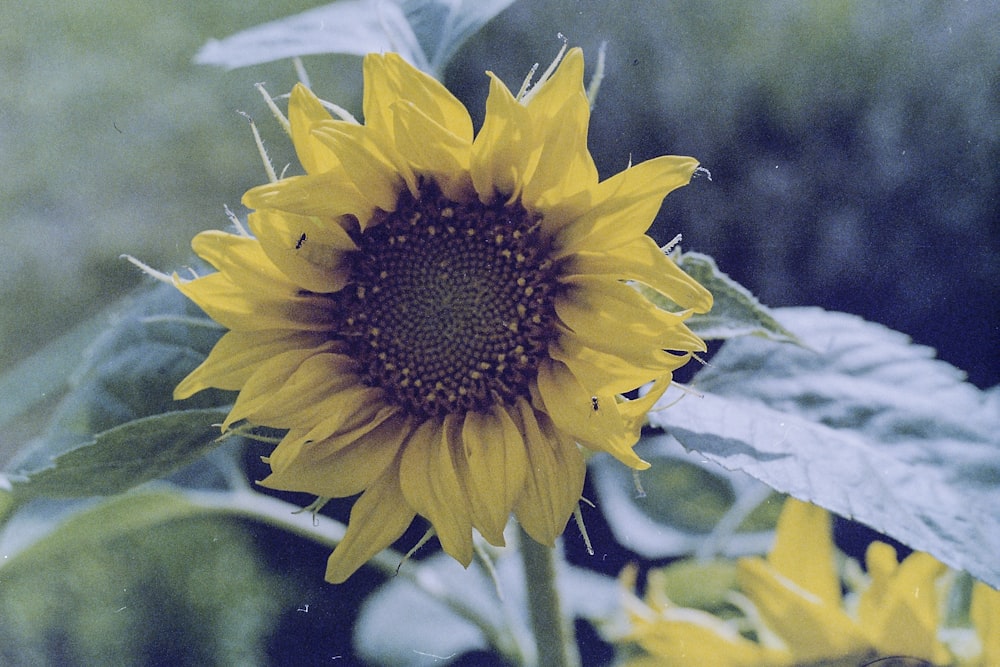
861	422
425	32
129	373
126	456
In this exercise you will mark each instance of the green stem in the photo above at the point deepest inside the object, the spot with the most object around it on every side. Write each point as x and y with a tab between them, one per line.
553	632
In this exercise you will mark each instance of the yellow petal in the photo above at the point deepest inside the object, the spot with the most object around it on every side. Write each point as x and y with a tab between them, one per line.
238	353
803	550
624	206
899	610
300	393
266	381
330	194
237	306
356	409
242	260
433	151
389	79
600	372
560	114
493	466
985	614
304	109
570	406
329	469
379	517
642	260
500	152
554	482
430	484
311	253
595	307
634	411
812	629
373	174
683	637
249	292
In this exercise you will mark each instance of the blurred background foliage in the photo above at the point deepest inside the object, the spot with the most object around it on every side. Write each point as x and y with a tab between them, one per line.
853	148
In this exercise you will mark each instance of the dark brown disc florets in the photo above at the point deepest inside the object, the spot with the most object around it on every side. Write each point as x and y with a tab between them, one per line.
451	308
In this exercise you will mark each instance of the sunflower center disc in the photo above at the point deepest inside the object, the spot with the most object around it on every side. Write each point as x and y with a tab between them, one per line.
452	305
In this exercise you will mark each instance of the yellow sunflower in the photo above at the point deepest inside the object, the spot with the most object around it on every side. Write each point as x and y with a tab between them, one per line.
439	319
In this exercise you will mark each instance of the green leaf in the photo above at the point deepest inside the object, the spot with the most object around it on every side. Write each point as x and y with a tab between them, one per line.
44	374
686	504
126	456
129	373
736	312
425	32
861	422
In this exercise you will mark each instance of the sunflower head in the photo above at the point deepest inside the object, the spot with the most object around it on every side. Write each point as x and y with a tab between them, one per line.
441	319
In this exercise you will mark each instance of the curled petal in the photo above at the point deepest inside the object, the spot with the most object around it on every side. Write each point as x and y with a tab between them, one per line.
571	407
623	207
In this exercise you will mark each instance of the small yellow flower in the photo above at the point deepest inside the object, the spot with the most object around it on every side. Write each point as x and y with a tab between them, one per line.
440	318
797	589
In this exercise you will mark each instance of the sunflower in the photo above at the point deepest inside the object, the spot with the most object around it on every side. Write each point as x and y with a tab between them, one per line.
441	320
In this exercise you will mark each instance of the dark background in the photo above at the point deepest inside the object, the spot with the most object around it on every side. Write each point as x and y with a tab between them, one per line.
854	146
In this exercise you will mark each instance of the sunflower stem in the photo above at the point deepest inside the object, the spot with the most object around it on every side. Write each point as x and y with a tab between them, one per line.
554	637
